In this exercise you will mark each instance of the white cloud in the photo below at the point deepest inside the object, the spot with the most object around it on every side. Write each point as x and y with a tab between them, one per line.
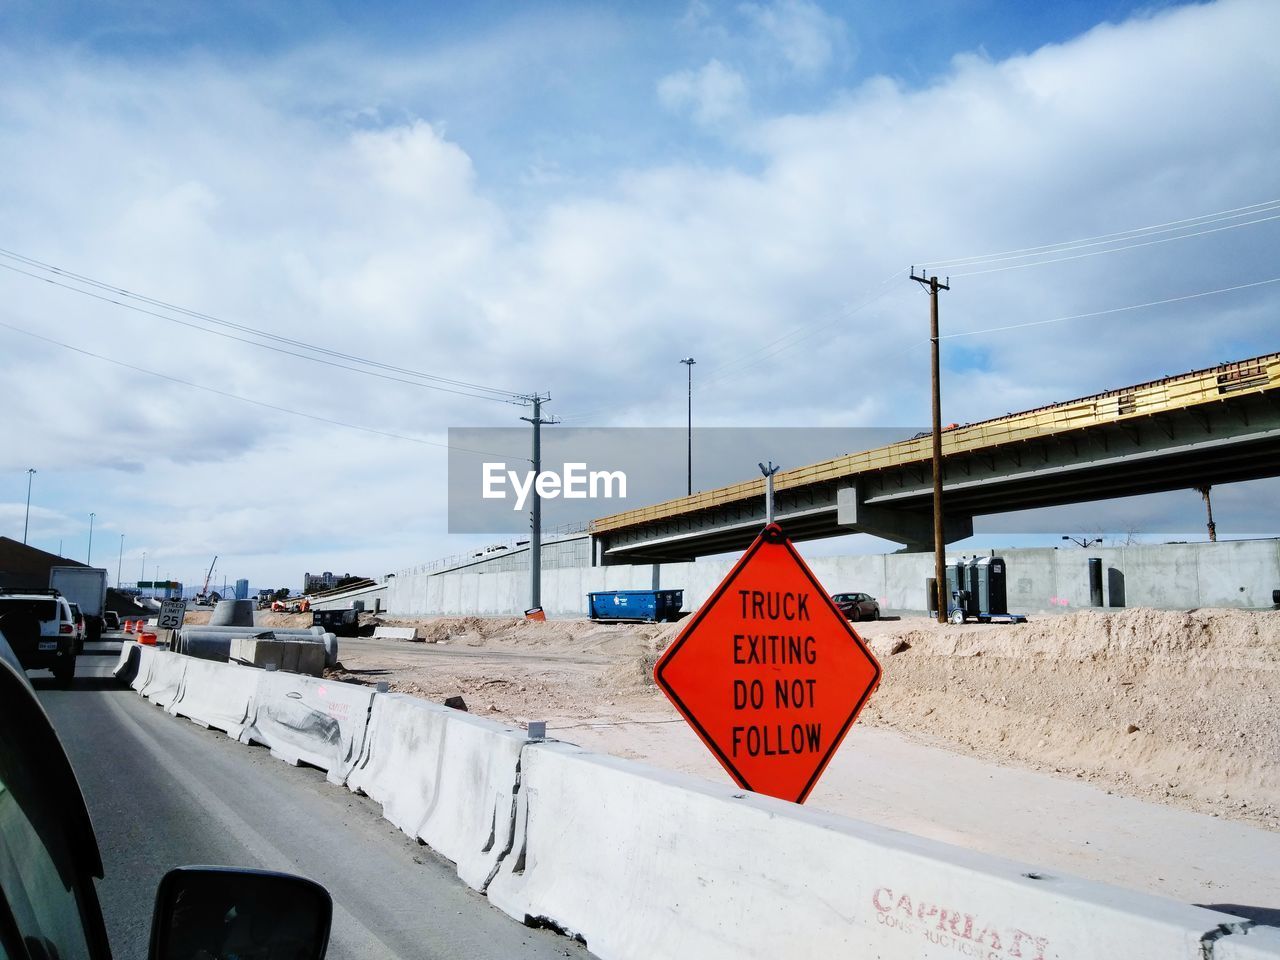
713	94
212	187
799	32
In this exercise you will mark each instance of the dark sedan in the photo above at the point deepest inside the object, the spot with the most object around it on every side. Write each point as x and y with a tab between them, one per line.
857	606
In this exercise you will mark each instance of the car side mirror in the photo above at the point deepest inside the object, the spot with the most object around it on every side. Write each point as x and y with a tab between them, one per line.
220	913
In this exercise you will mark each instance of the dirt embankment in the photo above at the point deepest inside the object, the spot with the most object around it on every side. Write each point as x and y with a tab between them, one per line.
1168	705
1183	707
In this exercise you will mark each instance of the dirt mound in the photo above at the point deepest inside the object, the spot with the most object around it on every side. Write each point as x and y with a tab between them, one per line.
1221	636
1166	704
266	618
560	636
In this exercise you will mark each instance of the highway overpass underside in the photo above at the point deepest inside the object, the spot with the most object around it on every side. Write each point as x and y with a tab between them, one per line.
1234	438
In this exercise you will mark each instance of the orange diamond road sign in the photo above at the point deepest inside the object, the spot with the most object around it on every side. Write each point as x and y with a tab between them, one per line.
769	672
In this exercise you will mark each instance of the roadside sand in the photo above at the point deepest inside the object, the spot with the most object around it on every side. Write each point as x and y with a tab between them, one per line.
1182	708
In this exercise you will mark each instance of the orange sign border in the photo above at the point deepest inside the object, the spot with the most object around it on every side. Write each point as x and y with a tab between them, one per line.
771	534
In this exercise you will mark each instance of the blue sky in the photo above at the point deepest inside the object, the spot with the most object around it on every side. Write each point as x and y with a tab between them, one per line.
569	197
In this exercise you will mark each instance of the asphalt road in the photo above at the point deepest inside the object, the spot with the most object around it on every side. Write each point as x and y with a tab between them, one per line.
163	792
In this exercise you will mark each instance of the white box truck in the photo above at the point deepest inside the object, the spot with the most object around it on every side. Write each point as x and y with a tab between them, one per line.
86	586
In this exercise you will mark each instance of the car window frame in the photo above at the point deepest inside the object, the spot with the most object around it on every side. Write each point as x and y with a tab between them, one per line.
39	750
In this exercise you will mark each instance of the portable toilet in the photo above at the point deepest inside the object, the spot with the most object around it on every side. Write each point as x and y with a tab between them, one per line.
986	585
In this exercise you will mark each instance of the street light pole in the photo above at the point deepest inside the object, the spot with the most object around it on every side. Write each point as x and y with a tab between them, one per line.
31	472
768	472
689	362
89	556
120	561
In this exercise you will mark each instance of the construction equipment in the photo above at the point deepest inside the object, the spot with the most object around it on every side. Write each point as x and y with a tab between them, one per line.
202	598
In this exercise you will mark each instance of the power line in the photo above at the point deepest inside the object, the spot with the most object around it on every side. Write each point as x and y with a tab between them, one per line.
233	396
1128	246
1103	313
800	334
1064	245
464	388
238	326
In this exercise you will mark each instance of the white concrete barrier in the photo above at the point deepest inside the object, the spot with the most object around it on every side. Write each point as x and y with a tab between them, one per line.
164	680
642	863
218	695
126	668
647	864
395	633
309	720
146	661
134	666
443	777
1255	943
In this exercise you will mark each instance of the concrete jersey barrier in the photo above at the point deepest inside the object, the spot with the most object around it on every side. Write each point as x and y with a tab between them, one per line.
126	668
310	720
443	777
134	665
1256	943
646	864
164	680
643	863
395	633
214	643
146	661
218	695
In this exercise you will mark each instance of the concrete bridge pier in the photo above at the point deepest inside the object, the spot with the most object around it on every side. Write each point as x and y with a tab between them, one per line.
914	528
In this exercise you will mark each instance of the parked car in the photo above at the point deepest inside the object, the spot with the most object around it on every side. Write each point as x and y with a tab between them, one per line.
41	629
49	857
857	606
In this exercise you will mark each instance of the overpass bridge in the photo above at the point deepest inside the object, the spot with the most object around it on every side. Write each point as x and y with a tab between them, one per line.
1212	426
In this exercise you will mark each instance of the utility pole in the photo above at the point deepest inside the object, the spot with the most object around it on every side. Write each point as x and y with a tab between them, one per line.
1213	527
768	472
689	362
31	472
120	561
535	509
932	285
89	556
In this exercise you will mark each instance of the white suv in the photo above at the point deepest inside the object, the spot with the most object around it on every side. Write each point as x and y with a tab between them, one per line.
41	629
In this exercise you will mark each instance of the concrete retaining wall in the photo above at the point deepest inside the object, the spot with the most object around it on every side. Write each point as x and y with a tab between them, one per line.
1238	573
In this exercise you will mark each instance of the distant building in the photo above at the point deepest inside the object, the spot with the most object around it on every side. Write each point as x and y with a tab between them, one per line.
242	589
315	582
